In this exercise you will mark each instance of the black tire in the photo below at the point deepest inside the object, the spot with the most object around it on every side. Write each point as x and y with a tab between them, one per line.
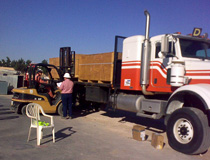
23	110
188	131
60	109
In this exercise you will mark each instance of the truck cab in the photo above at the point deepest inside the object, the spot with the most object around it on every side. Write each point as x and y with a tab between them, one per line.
186	61
168	76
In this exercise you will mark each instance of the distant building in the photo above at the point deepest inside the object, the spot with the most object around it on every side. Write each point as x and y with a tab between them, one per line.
12	77
8	71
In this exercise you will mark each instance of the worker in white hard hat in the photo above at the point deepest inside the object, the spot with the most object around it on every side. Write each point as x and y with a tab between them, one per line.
66	88
38	75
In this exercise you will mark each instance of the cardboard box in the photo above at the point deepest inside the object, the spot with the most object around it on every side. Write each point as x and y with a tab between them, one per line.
157	141
138	133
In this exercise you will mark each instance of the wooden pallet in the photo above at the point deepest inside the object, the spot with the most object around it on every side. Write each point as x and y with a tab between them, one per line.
95	81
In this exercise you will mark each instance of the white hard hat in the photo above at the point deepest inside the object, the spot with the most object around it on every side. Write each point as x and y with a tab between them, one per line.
39	70
67	75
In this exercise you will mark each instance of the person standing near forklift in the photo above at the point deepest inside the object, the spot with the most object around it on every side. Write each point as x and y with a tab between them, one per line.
66	88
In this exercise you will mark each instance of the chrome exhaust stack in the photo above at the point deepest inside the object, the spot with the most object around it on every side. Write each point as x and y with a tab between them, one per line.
147	25
145	58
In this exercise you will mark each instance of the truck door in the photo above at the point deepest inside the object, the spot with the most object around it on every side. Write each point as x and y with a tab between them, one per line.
160	67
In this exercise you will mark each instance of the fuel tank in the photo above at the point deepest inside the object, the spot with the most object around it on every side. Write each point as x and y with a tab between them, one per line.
128	102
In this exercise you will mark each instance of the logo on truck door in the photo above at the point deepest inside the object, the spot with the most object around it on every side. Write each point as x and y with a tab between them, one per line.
127	82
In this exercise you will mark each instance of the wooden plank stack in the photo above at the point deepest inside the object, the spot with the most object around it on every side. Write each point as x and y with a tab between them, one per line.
97	68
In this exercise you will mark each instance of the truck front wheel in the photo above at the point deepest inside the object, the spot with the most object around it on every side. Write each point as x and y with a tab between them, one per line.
188	131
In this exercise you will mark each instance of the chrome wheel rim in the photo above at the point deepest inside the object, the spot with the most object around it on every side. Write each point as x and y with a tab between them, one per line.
183	131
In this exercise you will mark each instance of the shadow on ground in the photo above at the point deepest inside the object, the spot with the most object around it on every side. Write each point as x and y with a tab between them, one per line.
125	117
131	117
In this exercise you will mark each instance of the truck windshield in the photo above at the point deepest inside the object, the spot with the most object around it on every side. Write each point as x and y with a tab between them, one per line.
195	49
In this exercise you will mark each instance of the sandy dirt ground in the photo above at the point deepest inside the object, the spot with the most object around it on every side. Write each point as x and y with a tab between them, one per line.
122	122
89	135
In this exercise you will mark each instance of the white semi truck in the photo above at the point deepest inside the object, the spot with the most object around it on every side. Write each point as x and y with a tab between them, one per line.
165	76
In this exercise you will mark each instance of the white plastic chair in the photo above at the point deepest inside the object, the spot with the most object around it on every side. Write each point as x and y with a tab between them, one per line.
33	111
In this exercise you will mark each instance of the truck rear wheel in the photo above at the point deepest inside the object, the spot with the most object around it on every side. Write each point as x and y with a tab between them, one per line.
188	131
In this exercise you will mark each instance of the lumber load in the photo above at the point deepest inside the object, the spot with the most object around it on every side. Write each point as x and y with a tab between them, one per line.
97	68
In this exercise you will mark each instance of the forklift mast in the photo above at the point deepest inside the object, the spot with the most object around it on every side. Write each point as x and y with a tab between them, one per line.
67	61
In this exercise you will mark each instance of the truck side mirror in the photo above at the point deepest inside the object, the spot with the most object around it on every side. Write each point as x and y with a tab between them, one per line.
164	45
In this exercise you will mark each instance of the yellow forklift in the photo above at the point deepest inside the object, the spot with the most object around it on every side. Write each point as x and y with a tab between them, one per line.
37	93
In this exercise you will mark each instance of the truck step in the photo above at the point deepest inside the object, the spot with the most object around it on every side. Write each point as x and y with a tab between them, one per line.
152	116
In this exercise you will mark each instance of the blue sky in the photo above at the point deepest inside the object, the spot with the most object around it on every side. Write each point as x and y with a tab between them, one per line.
36	29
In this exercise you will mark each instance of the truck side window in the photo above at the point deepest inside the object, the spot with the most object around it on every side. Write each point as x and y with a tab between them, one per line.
208	52
171	50
200	53
157	49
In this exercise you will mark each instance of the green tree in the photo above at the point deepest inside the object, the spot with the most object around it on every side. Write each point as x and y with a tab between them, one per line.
20	66
3	63
13	63
45	61
28	62
8	62
44	69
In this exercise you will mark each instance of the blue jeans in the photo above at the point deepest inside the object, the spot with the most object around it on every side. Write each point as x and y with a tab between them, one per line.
67	104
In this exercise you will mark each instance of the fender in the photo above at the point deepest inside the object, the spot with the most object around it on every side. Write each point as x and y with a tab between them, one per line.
200	91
